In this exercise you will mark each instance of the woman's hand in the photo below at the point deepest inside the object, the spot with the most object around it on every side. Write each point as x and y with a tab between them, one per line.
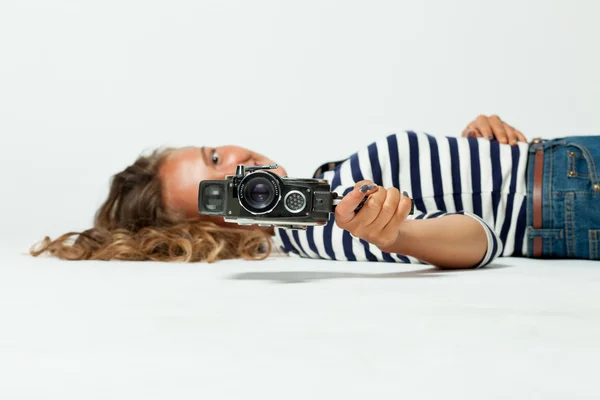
493	127
378	221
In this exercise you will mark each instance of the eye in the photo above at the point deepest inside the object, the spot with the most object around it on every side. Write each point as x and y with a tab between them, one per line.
214	156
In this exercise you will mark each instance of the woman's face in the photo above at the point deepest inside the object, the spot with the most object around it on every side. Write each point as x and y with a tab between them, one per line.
182	171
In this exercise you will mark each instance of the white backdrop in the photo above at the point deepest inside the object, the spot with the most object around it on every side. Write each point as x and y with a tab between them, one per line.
86	86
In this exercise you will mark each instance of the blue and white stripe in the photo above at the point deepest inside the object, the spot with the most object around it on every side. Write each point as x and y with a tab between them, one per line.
444	176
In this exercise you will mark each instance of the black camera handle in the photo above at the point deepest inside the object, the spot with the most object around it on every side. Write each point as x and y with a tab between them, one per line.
337	199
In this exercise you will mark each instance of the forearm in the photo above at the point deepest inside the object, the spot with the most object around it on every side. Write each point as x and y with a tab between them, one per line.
453	241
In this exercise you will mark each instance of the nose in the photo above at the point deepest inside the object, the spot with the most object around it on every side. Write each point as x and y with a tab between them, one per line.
235	155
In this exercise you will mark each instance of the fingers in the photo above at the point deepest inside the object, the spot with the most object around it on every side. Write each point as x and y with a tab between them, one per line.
471	131
520	135
511	134
498	129
493	127
401	213
378	221
369	212
514	135
344	212
387	210
484	127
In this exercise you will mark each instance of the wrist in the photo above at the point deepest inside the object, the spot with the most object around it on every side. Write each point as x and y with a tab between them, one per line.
403	243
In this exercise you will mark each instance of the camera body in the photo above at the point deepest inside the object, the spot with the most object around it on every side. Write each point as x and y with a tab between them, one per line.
255	195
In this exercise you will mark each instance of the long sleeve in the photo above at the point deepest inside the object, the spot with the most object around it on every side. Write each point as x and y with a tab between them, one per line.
444	176
331	242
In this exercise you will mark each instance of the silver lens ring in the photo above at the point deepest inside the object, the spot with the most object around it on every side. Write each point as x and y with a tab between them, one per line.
275	186
297	201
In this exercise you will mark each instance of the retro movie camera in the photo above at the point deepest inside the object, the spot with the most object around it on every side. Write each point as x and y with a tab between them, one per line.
254	195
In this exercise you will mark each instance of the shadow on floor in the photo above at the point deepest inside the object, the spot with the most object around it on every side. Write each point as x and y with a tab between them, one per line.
307	276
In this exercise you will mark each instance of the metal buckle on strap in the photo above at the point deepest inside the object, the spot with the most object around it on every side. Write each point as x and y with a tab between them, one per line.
536	140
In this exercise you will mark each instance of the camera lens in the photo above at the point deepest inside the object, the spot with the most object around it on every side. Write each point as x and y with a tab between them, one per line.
259	193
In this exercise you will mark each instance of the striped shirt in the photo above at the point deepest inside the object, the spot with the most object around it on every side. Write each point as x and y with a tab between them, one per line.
443	175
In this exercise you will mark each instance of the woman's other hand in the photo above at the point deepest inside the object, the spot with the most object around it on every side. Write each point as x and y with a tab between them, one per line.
378	221
493	127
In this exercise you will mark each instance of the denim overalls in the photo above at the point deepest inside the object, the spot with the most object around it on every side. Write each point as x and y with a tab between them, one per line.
570	198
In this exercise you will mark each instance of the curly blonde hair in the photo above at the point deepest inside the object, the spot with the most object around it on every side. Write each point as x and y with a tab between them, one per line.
134	224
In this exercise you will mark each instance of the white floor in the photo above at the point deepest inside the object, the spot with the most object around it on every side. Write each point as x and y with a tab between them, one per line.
297	329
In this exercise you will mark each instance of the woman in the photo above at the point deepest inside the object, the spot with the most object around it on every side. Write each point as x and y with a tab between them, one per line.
476	198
